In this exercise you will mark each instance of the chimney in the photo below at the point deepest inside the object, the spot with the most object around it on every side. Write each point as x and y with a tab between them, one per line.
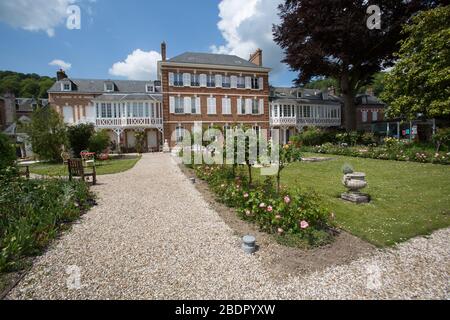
10	108
163	51
60	75
257	58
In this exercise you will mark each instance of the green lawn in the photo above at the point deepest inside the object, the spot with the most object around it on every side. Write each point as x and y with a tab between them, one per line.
409	199
103	167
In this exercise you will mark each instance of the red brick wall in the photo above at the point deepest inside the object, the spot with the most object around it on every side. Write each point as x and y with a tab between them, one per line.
76	100
187	121
369	109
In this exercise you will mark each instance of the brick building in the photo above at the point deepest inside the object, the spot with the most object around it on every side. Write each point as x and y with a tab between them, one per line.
369	112
202	89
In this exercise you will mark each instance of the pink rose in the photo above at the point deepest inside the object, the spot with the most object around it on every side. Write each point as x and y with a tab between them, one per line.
304	224
245	195
262	205
269	209
287	199
248	213
280	231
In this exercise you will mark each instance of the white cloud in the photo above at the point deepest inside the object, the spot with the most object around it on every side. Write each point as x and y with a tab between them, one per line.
61	64
247	26
139	65
38	15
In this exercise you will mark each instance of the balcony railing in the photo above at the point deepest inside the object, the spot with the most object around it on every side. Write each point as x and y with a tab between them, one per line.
294	121
128	122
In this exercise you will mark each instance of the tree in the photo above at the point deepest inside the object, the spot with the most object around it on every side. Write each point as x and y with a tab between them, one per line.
79	137
7	152
140	141
99	142
420	81
47	133
322	84
29	88
331	38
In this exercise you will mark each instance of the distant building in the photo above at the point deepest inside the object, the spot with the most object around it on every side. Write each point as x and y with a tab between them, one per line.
292	109
370	113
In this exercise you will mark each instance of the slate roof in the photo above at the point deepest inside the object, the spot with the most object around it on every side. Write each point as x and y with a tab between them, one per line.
213	59
289	95
368	100
98	85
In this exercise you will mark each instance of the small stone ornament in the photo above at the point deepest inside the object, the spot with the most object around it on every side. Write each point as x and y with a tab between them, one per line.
249	244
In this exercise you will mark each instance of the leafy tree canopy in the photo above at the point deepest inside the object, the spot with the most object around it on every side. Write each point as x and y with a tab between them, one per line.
25	85
331	39
420	81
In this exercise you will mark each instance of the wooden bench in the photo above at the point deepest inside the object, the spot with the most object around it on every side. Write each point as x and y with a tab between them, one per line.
77	169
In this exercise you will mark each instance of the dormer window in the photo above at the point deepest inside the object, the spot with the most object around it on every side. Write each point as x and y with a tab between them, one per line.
66	86
150	88
109	87
299	94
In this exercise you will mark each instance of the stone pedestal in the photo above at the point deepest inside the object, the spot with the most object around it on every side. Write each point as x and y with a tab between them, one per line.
166	148
355	197
249	244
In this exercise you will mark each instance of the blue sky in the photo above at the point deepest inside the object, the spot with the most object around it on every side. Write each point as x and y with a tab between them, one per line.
121	38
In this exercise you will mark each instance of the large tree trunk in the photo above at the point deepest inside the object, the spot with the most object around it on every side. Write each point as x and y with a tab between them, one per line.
349	114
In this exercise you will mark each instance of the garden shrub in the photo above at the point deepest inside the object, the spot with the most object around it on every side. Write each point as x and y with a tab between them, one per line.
442	139
7	152
79	137
313	136
99	142
33	212
288	214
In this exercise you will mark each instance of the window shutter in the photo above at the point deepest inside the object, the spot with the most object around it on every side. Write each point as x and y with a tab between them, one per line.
248	106
171	78
187	105
218	81
203	80
198	106
261	106
239	106
172	104
233	82
248	82
186	79
261	83
214	106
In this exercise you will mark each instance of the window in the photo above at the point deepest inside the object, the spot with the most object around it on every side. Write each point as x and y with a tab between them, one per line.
241	106
334	113
195	80
66	86
226	82
364	116
179	105
178	79
210	81
374	115
211	105
226	105
255	106
306	111
194	105
109	87
255	83
150	88
179	132
241	82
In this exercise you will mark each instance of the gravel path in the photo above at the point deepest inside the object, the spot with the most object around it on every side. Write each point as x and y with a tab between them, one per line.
152	236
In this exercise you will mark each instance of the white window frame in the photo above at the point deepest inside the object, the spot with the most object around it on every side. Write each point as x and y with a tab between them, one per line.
109	84
364	116
212	104
226	106
63	86
375	115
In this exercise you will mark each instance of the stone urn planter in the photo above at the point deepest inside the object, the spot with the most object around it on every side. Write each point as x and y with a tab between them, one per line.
355	182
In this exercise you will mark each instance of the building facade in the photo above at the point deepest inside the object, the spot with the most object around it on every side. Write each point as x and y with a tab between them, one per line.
369	113
119	106
201	89
292	109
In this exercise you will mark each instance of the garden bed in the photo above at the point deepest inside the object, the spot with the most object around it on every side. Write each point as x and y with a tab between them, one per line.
285	260
34	212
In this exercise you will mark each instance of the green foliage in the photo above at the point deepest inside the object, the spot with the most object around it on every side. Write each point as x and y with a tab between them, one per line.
33	212
7	152
99	142
313	136
48	133
323	84
285	214
25	85
442	138
79	137
420	81
140	141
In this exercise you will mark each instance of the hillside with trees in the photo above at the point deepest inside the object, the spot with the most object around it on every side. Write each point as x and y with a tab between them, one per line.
25	85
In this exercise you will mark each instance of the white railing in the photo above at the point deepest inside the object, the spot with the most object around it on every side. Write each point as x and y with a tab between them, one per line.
128	122
293	121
